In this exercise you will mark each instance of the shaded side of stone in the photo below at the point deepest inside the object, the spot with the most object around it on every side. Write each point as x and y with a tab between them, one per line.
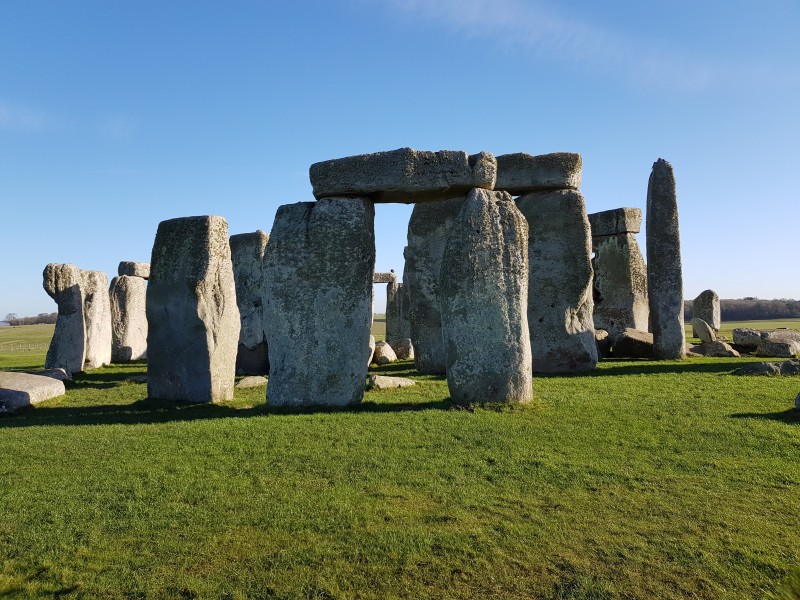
633	344
747	338
664	273
397	325
193	320
616	221
484	288
707	307
128	297
560	303
64	284
247	256
521	173
318	271
703	331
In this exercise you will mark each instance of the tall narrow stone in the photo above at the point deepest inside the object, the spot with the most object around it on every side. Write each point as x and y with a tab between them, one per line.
193	320
397	325
484	288
427	233
247	255
318	268
560	301
664	275
97	317
64	284
706	307
128	318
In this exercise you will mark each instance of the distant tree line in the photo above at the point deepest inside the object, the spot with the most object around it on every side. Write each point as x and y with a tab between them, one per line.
13	319
752	309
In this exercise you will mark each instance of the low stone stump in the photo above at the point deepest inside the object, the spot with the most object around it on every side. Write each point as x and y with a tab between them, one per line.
64	284
521	173
19	390
191	312
382	382
128	295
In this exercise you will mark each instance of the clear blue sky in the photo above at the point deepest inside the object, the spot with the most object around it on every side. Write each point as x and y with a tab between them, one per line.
117	115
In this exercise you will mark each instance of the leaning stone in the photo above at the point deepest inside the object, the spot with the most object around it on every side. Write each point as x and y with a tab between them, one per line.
252	381
403	348
191	312
617	221
746	338
484	290
521	173
706	307
134	269
560	303
790	367
786	348
633	344
381	382
718	349
247	257
383	354
18	390
97	316
64	284
318	301
384	277
372	343
59	374
427	233
404	175
128	318
765	368
397	324
703	330
664	274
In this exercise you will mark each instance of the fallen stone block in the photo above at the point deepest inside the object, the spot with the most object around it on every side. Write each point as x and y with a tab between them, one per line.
746	337
716	349
521	173
634	344
19	390
251	382
381	382
781	348
403	348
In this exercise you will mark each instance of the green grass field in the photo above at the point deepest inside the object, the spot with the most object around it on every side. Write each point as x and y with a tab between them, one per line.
639	480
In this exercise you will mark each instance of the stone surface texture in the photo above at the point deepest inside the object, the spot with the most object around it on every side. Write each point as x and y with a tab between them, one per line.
664	272
251	381
384	277
706	307
128	295
746	337
64	284
634	344
403	348
59	374
781	348
247	256
97	318
383	354
398	326
19	390
372	343
521	173
134	269
404	175
703	330
382	382
617	221
484	289
318	301
427	233
560	303
193	320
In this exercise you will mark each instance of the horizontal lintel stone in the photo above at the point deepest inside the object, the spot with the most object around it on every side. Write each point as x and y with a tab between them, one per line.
616	221
521	173
384	278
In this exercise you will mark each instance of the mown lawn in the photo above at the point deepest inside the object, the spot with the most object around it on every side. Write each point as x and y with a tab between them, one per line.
640	480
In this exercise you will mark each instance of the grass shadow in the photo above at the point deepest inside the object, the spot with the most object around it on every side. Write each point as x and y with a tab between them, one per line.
791	416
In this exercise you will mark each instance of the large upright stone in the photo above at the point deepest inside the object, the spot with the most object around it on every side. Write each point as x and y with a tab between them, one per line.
397	325
484	289
64	284
427	233
706	307
97	317
560	301
128	318
193	320
247	255
318	270
404	175
664	275
521	173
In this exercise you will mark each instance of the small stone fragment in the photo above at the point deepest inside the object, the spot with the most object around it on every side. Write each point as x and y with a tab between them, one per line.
381	382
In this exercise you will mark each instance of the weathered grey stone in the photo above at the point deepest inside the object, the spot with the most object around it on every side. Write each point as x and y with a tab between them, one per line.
521	173
790	367
427	233
134	269
384	277
484	289
193	320
403	348
781	348
746	337
603	341
694	349
247	256
664	274
703	330
404	175
617	221
97	318
706	307
128	296
318	301
60	374
717	349
633	344
619	285
18	390
397	324
64	284
560	303
251	381
781	335
372	343
382	382
764	368
384	354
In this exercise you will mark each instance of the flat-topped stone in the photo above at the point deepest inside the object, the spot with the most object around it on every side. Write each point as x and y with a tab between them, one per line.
134	269
384	278
18	390
521	173
616	221
404	175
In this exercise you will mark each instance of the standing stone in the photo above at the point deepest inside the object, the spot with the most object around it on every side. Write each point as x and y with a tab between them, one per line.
64	284
128	318
620	274
193	320
428	228
97	318
664	275
560	301
318	270
484	289
706	307
397	326
247	255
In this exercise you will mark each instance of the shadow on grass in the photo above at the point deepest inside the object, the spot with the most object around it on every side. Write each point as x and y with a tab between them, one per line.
649	367
791	416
